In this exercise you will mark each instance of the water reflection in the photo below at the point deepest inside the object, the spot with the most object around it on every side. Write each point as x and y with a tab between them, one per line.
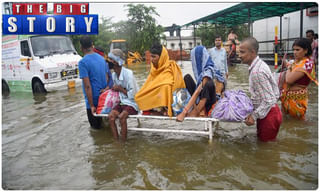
47	143
39	98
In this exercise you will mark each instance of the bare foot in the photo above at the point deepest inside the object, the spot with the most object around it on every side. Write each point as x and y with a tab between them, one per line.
181	116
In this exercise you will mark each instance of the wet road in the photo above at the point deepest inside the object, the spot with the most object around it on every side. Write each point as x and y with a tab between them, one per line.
47	144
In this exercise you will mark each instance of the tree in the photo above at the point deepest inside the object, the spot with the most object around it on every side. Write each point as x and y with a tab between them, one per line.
142	27
76	43
242	31
102	40
208	32
140	30
105	35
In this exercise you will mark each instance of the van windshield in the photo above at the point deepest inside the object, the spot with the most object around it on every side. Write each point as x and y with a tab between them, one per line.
50	45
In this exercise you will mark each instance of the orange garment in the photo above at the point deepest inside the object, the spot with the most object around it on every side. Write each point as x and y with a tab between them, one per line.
160	84
295	103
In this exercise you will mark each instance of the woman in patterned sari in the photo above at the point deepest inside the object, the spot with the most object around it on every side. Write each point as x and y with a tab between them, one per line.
294	96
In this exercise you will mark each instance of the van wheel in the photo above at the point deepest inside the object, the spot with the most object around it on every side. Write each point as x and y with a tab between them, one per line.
5	89
38	87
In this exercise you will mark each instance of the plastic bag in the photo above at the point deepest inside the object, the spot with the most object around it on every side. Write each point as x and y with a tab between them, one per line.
234	106
107	101
181	98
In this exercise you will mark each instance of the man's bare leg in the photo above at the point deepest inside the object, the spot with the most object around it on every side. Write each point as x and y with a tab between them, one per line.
112	121
123	122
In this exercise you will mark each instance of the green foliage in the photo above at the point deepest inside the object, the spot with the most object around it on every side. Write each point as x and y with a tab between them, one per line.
105	35
76	43
208	32
141	27
102	40
242	31
140	30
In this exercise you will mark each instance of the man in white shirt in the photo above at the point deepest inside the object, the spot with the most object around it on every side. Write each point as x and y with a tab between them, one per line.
218	55
264	92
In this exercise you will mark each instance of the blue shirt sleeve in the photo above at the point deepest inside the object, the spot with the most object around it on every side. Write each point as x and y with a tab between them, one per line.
83	70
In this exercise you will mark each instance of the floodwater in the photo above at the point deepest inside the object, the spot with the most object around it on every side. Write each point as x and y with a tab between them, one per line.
47	144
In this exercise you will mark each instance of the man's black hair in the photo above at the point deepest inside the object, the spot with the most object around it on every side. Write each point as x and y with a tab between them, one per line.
86	42
253	43
156	48
310	31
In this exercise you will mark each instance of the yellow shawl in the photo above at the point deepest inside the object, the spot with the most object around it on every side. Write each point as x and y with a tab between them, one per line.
160	84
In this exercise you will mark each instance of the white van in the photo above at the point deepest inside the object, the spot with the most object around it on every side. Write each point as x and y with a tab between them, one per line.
38	63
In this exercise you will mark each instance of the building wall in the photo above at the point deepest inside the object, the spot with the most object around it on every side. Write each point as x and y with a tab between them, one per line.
187	44
264	30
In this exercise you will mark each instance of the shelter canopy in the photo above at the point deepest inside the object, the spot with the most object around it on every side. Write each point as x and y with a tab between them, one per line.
251	11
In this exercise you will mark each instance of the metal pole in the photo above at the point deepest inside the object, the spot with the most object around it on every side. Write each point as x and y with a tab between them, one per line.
288	34
301	20
276	47
163	117
281	32
180	46
167	130
216	31
249	23
194	35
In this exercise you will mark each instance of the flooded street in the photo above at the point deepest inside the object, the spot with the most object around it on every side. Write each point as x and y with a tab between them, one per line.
47	144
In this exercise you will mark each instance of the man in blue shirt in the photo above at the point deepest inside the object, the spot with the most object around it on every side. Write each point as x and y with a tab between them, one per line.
125	83
100	51
219	56
93	72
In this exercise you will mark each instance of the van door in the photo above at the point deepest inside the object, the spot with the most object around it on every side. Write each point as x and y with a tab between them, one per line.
25	60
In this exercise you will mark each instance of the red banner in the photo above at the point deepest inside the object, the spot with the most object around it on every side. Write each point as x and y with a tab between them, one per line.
71	8
58	8
29	8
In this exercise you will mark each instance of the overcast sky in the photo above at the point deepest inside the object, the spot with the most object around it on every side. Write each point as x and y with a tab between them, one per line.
178	13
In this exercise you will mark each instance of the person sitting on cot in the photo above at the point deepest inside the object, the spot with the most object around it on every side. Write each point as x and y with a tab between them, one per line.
155	96
204	92
125	83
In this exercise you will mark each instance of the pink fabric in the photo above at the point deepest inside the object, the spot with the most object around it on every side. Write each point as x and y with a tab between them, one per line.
107	101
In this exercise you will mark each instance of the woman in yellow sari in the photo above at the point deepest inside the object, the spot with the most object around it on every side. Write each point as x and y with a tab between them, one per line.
294	96
155	96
